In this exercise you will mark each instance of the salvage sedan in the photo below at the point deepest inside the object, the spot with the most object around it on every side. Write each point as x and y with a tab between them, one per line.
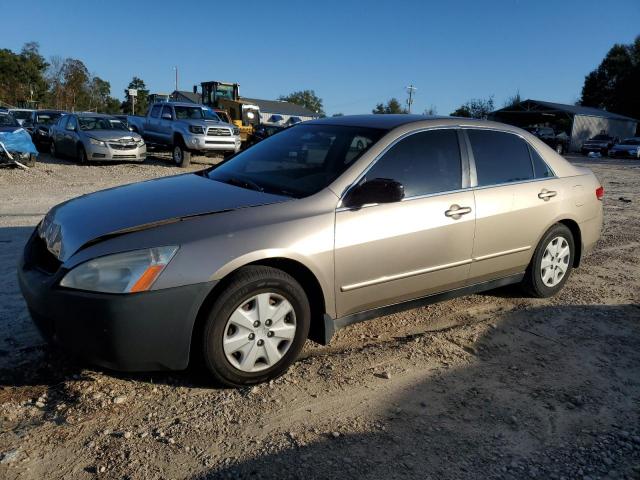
90	136
327	223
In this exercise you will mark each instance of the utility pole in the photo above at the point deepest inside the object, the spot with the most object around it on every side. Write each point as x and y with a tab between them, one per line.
410	90
176	69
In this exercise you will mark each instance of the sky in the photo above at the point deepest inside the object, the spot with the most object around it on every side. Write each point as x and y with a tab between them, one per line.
354	54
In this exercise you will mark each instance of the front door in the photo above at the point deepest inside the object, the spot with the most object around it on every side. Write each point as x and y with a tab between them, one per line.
388	253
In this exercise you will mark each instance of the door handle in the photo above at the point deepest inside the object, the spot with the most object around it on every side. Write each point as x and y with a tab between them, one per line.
546	194
456	211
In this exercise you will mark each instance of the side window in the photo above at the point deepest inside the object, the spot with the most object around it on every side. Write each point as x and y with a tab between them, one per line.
500	157
540	168
71	123
425	162
155	111
166	109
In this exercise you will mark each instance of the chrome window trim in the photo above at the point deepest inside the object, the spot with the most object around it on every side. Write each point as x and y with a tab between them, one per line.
465	148
472	159
456	128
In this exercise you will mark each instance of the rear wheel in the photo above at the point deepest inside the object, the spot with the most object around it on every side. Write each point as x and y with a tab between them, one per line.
181	156
53	150
256	327
551	264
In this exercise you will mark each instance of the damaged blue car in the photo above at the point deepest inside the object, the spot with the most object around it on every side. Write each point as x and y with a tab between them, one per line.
16	147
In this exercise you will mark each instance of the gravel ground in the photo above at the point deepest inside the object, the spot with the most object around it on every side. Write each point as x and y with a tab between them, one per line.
486	386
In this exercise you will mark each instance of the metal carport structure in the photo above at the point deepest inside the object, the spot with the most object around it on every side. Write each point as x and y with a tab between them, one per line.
580	123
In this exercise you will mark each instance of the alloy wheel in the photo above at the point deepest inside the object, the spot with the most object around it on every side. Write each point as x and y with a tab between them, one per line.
555	261
259	332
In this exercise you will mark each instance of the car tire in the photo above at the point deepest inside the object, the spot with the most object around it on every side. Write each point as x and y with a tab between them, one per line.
181	156
551	264
53	150
31	162
559	149
81	155
238	339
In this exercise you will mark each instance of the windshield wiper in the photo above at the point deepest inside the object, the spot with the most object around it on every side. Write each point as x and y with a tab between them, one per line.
244	184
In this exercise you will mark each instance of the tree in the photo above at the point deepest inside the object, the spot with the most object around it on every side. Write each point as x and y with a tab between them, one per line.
475	108
513	100
392	106
100	96
76	81
22	80
307	99
142	99
431	110
613	85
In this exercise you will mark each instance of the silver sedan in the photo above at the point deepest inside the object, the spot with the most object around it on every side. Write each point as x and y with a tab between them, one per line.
90	136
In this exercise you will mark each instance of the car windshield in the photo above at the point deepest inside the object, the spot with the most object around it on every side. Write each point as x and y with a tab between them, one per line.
631	141
195	113
100	123
48	118
601	137
21	114
8	121
299	161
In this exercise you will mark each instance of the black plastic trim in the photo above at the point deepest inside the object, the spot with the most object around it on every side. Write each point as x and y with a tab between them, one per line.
420	302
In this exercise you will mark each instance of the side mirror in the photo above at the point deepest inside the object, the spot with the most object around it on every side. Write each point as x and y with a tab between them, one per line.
378	190
166	116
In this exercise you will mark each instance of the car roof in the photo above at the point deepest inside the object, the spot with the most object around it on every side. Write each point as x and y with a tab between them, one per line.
91	114
391	121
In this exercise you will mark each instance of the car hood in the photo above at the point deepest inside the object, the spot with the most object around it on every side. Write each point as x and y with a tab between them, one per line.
112	136
71	225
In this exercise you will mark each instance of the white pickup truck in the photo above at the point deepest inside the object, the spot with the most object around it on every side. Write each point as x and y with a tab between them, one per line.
186	128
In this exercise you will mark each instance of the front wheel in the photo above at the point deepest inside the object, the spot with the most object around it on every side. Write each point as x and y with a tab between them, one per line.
256	327
551	264
81	155
181	156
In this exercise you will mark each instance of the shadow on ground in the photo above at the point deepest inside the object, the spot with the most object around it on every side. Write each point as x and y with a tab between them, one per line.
552	392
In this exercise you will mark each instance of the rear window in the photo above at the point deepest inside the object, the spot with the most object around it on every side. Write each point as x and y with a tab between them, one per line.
500	157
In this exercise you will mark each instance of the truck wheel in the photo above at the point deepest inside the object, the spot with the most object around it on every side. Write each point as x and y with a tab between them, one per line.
181	156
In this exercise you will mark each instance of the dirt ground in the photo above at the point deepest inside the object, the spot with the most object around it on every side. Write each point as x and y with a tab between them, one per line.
486	386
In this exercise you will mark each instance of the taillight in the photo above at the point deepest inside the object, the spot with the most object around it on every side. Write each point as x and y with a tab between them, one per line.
600	192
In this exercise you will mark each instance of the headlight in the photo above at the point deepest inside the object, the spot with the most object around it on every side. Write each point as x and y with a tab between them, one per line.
236	131
140	142
94	141
120	273
197	129
251	115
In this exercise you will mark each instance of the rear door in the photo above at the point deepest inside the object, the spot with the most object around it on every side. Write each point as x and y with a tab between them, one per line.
516	198
388	253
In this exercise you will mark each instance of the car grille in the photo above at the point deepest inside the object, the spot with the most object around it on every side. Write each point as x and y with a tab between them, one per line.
39	257
124	156
123	146
219	132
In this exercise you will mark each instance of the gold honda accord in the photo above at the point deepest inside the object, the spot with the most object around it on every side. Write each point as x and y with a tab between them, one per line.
327	223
